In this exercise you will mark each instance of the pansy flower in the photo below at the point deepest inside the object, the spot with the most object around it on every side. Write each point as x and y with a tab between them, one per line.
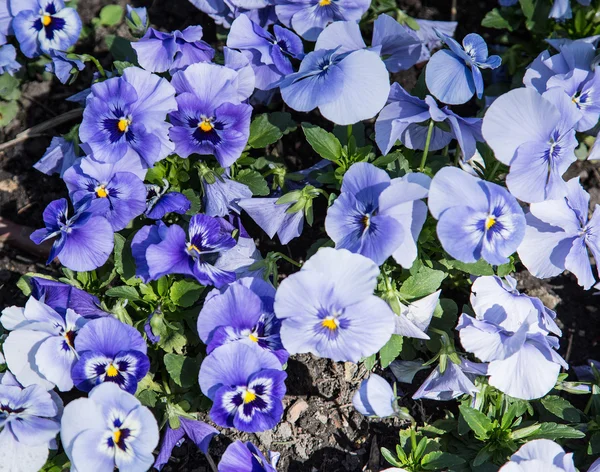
561	9
222	194
273	217
269	54
476	219
125	117
246	457
159	201
451	382
59	156
453	75
428	33
540	454
209	119
168	250
63	66
109	429
84	241
43	25
375	397
161	52
240	314
41	346
8	59
309	17
379	217
28	425
110	190
328	308
533	134
109	351
246	385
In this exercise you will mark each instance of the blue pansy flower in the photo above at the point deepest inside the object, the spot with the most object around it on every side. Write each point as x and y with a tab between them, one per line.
43	25
64	66
453	75
8	58
246	457
159	201
59	156
561	9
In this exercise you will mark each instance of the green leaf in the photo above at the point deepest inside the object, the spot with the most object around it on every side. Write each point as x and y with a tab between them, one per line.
148	398
560	407
547	431
324	143
594	445
268	128
478	268
194	200
424	282
111	15
175	340
388	456
9	87
120	48
256	182
124	262
497	20
183	370
8	111
125	291
390	351
185	292
477	421
438	460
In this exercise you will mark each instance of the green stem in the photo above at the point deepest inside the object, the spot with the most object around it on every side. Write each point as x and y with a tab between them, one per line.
494	170
348	133
97	64
286	258
426	151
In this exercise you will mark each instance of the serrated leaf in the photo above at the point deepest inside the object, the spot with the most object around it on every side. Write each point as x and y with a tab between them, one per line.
422	283
255	182
267	129
477	421
547	431
390	351
438	460
174	340
148	398
497	20
111	15
561	408
183	370
126	292
478	268
194	200
324	143
185	292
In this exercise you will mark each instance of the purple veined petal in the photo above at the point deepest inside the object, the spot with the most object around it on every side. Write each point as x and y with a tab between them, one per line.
569	114
393	125
293	43
154	54
477	81
344	223
266	213
245	34
517	117
85	450
246	77
526	375
365	89
374	397
538	73
169	256
144	238
447	386
222	83
155	96
455	47
461	234
467	132
453	187
88	246
578	263
291	227
59	156
400	46
244	457
33	430
171	202
80	414
449	79
366	182
561	10
55	210
19	350
344	36
109	336
221	196
382	238
476	47
43	317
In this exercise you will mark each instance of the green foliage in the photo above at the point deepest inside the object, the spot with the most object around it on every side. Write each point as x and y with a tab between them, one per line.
325	144
269	128
111	15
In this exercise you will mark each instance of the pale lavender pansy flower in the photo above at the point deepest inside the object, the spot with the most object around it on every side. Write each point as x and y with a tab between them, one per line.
222	194
29	422
8	59
5	18
274	218
476	219
63	66
246	80
224	12
125	116
399	47
379	217
269	54
198	432
561	9
246	385
540	454
114	191
159	201
454	381
43	25
59	156
346	87
328	308
109	429
246	457
109	351
209	119
375	397
453	75
40	348
533	134
595	467
406	119
241	314
559	235
309	17
161	52
415	317
428	34
84	241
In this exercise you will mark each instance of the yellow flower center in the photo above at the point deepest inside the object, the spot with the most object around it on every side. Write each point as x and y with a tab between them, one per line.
248	396
324	3
191	247
112	371
123	125
253	338
205	125
46	20
330	323
117	436
101	191
489	222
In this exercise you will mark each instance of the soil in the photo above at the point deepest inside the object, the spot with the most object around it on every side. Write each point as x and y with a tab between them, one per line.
321	431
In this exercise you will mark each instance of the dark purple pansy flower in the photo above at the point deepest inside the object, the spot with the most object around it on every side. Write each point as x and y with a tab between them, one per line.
109	351
241	314
195	254
159	201
246	385
161	52
84	241
269	54
125	116
198	432
246	457
63	66
60	297
109	190
209	119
